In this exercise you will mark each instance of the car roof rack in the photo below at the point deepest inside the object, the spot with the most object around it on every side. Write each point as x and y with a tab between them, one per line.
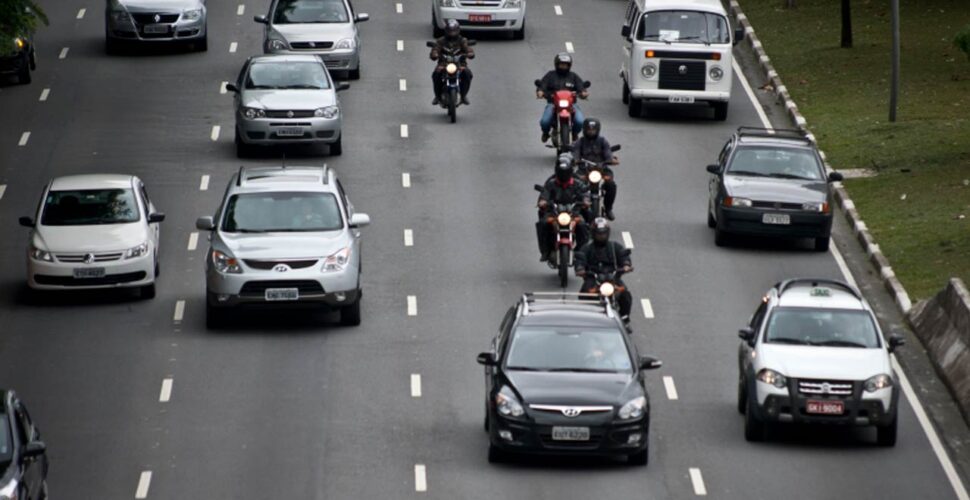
774	133
785	285
565	298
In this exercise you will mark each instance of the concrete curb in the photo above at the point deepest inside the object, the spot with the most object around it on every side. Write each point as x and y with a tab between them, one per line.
857	225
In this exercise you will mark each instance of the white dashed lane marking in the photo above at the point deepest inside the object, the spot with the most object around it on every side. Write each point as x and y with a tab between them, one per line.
403	85
558	10
215	132
63	53
44	94
420	478
222	87
408	238
399	8
204	183
697	480
193	241
23	139
80	13
415	385
144	482
232	47
179	311
3	189
569	47
406	180
627	240
670	387
412	305
647	308
240	10
400	45
166	393
404	130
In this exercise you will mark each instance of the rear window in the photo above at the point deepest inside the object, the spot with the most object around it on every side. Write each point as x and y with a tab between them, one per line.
310	11
282	212
89	207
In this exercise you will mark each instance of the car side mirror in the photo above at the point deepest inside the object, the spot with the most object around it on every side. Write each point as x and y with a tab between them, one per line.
836	176
487	359
714	169
747	334
614	148
341	87
430	44
359	220
738	35
625	31
155	217
362	17
650	363
34	449
587	84
896	341
205	224
26	222
231	87
261	19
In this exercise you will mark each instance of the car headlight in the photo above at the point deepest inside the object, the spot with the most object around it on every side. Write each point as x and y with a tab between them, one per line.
634	408
9	490
276	44
253	113
648	70
716	73
507	405
607	289
19	43
137	251
772	377
336	262
881	381
345	44
38	254
595	177
225	263
737	202
451	68
446	3
822	208
120	16
564	219
328	112
563	103
512	3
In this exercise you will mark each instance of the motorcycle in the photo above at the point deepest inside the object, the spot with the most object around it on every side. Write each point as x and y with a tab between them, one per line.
608	288
564	221
455	64
594	174
562	126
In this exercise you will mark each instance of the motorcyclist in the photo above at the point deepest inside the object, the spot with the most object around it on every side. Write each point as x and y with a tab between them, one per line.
602	256
562	188
595	148
452	41
562	78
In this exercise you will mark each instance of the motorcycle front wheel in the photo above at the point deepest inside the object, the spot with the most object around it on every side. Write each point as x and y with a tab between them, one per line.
563	266
564	131
452	104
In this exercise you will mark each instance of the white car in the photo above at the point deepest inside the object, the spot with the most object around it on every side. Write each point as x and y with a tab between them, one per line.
94	231
480	15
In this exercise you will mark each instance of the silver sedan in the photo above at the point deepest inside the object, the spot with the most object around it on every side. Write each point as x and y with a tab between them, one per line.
155	21
286	99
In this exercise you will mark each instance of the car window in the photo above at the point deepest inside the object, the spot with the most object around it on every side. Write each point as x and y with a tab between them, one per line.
821	327
725	151
288	75
90	207
568	349
775	162
758	316
310	11
282	212
684	26
6	445
343	197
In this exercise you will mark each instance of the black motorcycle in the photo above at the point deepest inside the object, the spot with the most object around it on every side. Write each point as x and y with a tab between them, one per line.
455	64
561	216
608	287
595	175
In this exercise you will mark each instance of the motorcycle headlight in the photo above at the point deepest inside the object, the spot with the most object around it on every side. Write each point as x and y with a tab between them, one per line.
564	218
772	377
120	16
507	405
446	3
276	44
225	263
192	15
816	207
253	113
451	68
607	289
346	44
563	103
595	176
716	73
336	262
648	70
38	254
9	490
137	251
328	112
737	202
633	408
881	381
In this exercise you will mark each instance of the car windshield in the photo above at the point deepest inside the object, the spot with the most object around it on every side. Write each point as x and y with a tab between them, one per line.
310	11
569	349
785	163
5	451
90	206
282	212
684	26
821	327
288	75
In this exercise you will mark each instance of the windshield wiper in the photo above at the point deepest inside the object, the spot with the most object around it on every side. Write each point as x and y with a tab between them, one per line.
790	176
261	87
524	368
694	39
583	370
839	343
251	231
746	172
302	86
786	340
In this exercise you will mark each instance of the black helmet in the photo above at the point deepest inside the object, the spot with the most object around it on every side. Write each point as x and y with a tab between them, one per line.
601	231
452	29
563	58
591	128
564	170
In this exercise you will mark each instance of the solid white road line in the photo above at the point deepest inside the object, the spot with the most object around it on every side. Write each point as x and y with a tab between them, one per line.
558	10
204	183
215	132
240	10
3	189
166	393
751	96
627	239
404	130
400	45
63	53
415	385
23	139
412	305
569	47
670	387
193	241
44	94
406	180
408	238
647	308
420	478
143	483
232	47
399	8
403	85
222	87
80	13
697	480
179	311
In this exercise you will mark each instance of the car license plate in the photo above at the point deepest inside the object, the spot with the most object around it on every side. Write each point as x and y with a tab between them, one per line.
290	132
681	99
570	433
825	407
277	294
779	219
479	18
88	272
156	28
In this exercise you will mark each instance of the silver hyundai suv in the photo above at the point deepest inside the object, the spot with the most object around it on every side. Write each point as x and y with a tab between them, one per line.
284	236
813	352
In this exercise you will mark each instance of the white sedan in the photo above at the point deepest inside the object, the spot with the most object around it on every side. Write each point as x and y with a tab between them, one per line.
94	231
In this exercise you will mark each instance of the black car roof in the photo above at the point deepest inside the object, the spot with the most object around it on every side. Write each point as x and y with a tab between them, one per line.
568	315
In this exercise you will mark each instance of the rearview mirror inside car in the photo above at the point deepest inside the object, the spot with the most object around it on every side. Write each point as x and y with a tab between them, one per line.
204	224
650	363
714	169
486	358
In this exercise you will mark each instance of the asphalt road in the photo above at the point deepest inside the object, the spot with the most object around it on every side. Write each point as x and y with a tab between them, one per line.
294	406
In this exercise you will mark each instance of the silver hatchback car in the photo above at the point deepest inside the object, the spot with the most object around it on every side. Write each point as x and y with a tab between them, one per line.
284	236
286	99
155	21
327	28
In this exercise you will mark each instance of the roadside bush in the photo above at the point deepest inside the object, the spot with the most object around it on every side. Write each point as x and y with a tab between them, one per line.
962	40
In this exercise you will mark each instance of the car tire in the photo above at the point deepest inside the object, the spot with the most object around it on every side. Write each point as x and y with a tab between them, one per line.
495	454
625	93
215	317
720	111
754	428
711	222
24	75
886	435
112	47
337	148
242	149
350	315
435	30
354	74
202	45
486	419
634	107
639	458
147	292
33	60
519	34
742	397
822	244
721	238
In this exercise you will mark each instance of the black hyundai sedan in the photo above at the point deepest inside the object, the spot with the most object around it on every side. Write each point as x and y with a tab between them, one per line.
23	456
563	377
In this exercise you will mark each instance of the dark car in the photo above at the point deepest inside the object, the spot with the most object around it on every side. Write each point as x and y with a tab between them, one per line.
21	61
563	377
770	183
23	456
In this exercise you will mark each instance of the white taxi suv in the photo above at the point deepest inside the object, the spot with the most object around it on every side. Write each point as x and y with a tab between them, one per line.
94	231
813	352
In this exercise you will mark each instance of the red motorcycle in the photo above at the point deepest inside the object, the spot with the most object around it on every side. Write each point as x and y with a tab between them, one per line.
562	126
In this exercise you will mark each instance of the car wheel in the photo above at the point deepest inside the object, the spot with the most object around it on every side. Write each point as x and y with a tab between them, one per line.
242	149
520	33
742	396
822	244
625	93
354	74
350	315
495	454
435	30
24	75
711	223
214	317
634	107
337	148
720	111
754	428
886	435
111	46
639	458
158	269
33	60
202	45
486	419
720	236
147	292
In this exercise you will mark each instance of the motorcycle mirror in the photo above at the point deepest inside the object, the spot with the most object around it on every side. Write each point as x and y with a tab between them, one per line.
587	84
472	42
614	148
538	83
537	187
430	44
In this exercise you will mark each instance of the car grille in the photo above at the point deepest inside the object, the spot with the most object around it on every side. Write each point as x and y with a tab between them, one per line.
149	18
266	265
297	113
310	45
825	387
258	288
111	279
465	22
776	205
692	77
79	257
481	3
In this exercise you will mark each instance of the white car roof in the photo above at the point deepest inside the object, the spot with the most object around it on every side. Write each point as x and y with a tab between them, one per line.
820	296
274	179
91	181
713	6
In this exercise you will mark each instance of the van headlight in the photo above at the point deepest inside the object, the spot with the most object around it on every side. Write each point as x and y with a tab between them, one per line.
192	15
879	382
137	251
649	70
772	377
716	73
276	44
337	261
42	255
328	112
225	263
253	113
633	408
345	44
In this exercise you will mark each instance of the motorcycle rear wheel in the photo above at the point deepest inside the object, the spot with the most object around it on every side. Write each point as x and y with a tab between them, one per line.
563	266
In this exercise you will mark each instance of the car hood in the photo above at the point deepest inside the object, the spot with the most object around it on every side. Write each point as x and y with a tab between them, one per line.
288	99
315	32
771	189
284	245
565	388
832	363
95	238
156	5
